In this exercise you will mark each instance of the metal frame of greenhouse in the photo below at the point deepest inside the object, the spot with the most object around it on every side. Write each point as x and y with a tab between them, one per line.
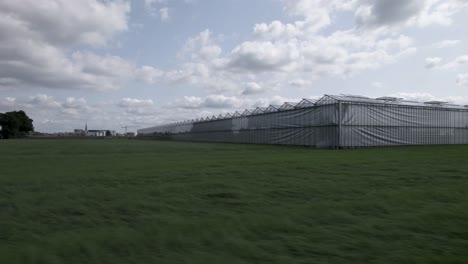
333	121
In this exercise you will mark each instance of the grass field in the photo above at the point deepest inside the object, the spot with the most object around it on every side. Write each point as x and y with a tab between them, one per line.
128	201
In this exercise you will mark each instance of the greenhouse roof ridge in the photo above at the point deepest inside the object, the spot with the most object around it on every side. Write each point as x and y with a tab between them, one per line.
324	100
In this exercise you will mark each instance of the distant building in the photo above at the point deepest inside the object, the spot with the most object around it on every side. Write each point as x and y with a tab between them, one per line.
79	132
94	132
98	133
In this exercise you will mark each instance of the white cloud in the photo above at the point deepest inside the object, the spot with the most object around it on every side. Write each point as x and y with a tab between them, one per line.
52	114
377	85
151	4
149	74
276	30
425	97
7	103
299	83
440	12
158	8
340	54
316	13
303	51
275	100
37	36
432	62
76	107
264	56
133	102
63	22
446	43
388	13
399	13
203	65
211	101
136	106
296	48
217	104
72	102
253	88
462	80
456	63
164	14
43	100
203	47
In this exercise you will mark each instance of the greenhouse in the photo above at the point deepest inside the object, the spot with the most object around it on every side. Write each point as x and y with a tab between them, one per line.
333	121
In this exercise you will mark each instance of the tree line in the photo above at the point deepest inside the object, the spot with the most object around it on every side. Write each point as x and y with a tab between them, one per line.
15	124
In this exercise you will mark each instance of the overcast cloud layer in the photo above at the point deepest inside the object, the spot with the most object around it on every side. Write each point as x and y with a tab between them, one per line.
146	62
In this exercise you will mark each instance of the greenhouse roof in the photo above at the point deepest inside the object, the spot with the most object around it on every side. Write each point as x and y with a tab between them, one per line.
272	108
259	110
288	106
247	112
330	99
306	103
325	100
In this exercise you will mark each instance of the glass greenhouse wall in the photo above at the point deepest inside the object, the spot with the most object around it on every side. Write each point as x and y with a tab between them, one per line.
330	122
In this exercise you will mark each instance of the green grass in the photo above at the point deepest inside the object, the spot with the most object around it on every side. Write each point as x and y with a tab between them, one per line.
128	201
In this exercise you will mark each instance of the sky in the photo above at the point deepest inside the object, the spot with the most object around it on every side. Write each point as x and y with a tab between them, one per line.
142	63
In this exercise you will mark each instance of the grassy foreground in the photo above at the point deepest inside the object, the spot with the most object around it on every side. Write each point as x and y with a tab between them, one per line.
127	201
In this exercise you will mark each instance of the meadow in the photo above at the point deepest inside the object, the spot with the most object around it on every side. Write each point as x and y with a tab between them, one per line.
135	201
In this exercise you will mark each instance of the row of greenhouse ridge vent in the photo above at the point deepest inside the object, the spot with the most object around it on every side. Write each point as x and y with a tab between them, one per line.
326	99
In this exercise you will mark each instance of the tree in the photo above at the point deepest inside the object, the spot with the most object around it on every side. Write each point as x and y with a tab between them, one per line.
15	124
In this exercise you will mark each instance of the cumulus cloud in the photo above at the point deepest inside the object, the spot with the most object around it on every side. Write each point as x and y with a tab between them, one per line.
276	30
462	80
37	35
446	43
158	8
150	5
149	74
275	100
133	102
397	13
64	23
43	100
300	48
7	103
72	102
316	13
164	13
52	114
211	101
203	65
377	85
299	83
432	62
453	65
263	56
340	54
425	97
222	103
388	13
253	88
137	106
202	47
456	63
